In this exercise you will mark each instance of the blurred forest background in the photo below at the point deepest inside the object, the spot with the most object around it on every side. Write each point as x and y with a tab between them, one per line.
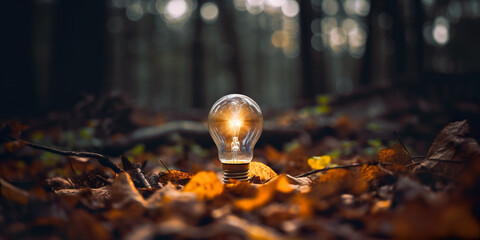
184	54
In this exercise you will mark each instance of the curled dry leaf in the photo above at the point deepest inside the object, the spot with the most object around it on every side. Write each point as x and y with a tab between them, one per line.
205	184
57	183
394	159
261	173
174	176
454	145
126	200
265	193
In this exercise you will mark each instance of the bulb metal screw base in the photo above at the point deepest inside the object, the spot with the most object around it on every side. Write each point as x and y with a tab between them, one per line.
236	172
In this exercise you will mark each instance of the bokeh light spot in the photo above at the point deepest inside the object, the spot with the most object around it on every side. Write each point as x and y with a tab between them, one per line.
176	9
330	7
291	8
209	12
134	12
441	30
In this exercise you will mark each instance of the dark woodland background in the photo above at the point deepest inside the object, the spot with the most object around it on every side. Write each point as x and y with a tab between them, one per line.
184	54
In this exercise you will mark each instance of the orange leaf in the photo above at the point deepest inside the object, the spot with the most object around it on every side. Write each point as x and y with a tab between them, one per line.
174	176
338	181
261	173
396	157
370	172
205	184
265	193
395	154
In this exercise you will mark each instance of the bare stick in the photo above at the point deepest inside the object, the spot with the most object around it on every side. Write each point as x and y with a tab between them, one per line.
165	166
330	168
401	143
104	160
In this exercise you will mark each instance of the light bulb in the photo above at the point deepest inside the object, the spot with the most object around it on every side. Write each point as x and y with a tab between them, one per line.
235	123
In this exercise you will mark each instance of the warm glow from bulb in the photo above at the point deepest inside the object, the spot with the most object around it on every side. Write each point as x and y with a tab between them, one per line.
235	123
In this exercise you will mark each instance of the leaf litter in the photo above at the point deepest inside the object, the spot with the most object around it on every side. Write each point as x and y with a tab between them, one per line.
392	195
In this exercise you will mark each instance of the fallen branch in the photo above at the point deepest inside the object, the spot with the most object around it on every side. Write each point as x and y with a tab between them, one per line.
103	160
330	168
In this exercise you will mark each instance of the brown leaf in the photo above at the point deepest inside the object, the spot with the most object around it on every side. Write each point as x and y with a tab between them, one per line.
175	177
370	172
261	173
265	193
338	181
394	159
124	192
13	193
453	143
83	225
242	189
57	183
205	184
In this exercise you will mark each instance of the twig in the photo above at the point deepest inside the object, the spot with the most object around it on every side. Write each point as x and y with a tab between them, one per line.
103	160
401	143
330	168
141	176
165	166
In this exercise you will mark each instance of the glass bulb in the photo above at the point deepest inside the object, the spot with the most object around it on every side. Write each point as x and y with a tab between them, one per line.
235	123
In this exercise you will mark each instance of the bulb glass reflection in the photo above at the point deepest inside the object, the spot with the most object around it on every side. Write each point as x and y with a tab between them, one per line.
235	123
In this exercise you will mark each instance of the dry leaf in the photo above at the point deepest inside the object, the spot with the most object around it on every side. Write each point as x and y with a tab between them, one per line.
381	206
337	181
124	192
205	184
265	193
174	176
453	143
319	162
13	193
394	159
241	189
83	225
261	173
370	172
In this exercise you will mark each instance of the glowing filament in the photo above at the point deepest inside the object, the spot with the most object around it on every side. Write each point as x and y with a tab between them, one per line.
235	124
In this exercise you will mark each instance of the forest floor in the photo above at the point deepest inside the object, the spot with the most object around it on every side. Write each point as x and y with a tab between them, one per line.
368	170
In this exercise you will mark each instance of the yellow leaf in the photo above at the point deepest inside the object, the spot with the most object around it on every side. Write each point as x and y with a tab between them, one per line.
261	172
319	162
265	193
205	184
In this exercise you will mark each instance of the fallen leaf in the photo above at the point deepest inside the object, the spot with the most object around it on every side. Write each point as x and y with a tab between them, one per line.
174	176
241	189
337	181
261	173
205	184
265	193
125	195
453	143
394	159
13	193
319	162
83	225
381	206
57	183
